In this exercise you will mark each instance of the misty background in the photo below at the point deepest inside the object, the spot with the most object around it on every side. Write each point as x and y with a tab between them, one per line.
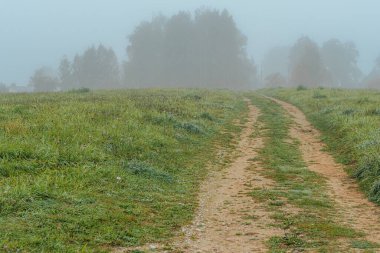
38	34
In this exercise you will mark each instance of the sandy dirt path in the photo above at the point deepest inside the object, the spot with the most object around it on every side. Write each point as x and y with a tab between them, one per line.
228	220
353	207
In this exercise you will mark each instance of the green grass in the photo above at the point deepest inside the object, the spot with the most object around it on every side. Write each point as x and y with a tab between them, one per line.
364	245
90	171
350	123
298	202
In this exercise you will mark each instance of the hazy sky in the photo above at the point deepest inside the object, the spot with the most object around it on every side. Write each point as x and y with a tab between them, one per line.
35	33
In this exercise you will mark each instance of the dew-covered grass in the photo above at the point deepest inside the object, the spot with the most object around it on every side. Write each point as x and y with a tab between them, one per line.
91	171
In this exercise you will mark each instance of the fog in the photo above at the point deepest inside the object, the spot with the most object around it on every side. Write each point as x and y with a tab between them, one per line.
39	33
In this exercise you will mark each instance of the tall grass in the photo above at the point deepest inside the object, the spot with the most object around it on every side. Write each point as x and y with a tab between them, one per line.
95	170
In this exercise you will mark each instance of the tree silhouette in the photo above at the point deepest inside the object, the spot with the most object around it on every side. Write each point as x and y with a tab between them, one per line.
276	61
43	80
373	79
306	64
201	50
341	61
145	53
96	68
179	52
275	80
66	74
3	88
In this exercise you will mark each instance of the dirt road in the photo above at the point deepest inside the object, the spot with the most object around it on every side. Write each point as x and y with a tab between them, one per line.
230	220
353	207
224	222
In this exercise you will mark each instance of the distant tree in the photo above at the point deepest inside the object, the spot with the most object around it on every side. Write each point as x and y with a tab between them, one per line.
341	61
66	74
108	71
251	69
96	68
374	83
276	61
373	79
275	80
222	56
179	51
306	65
3	88
206	50
13	86
43	80
145	53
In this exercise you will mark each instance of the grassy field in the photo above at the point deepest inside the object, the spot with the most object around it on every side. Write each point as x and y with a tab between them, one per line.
90	171
350	123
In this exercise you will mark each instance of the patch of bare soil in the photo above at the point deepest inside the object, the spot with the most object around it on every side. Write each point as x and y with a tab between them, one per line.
228	220
353	207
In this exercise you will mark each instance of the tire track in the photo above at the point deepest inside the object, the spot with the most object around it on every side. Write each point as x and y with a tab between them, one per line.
228	220
353	208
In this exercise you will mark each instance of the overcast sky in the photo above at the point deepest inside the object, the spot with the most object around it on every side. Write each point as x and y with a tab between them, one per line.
35	33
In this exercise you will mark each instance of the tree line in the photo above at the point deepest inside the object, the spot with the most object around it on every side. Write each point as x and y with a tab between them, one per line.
334	64
203	49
